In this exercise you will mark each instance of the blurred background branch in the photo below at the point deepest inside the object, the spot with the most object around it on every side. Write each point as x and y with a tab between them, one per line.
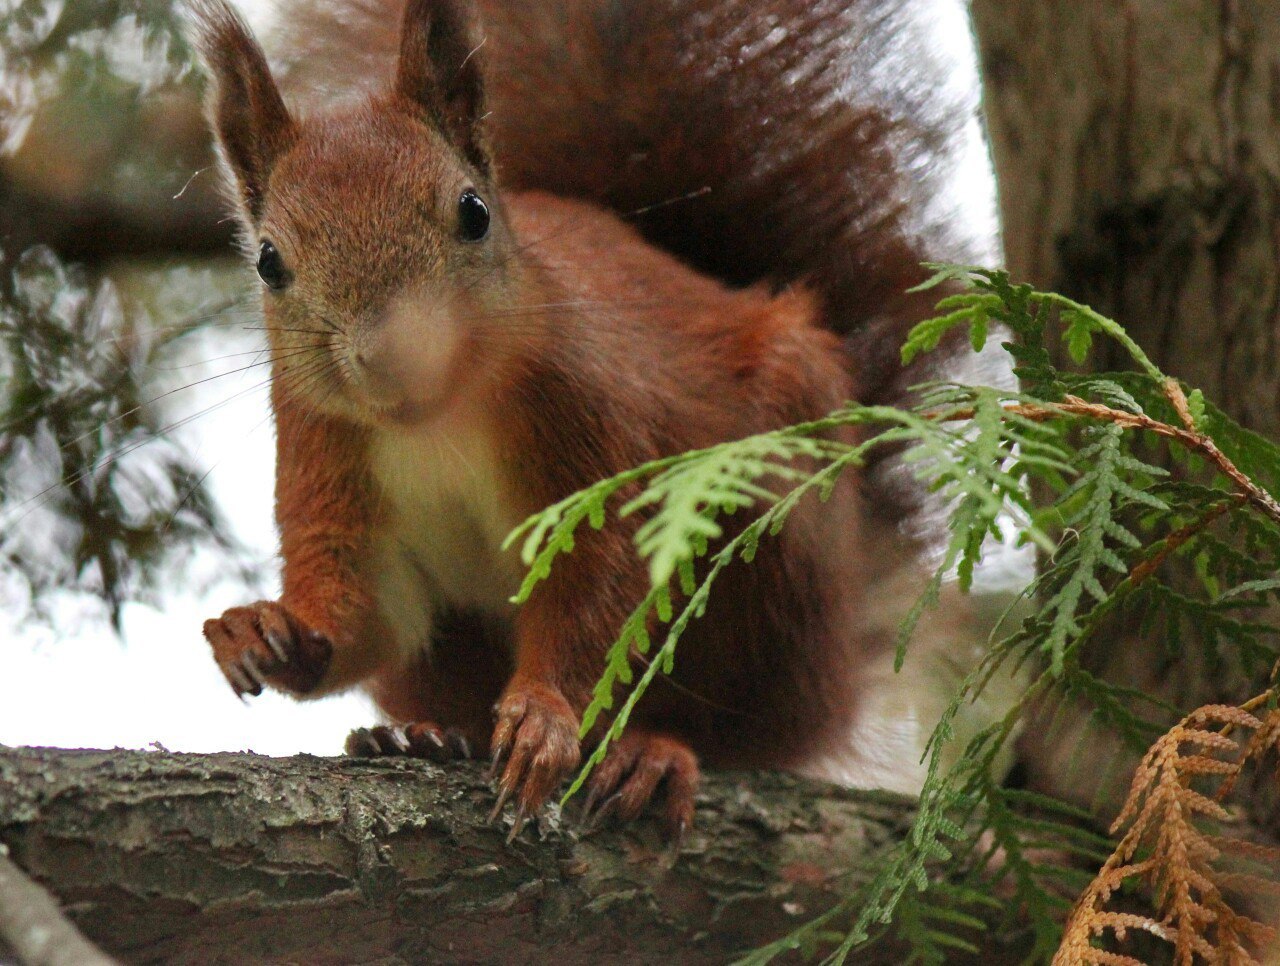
106	190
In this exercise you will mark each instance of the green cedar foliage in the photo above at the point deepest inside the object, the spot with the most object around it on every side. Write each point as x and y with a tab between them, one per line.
1122	480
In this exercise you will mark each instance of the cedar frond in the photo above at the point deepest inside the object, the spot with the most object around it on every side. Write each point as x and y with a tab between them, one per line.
1160	815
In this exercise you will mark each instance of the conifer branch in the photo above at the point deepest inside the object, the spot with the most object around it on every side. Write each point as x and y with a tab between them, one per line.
1179	538
1189	438
1113	521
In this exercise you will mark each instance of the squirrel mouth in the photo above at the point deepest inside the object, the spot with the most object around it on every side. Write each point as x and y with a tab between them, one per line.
407	413
380	404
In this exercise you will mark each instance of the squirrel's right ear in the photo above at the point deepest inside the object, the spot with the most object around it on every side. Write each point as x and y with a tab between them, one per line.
248	115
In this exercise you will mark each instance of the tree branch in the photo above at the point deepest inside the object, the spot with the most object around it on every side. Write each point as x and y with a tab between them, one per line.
33	927
239	858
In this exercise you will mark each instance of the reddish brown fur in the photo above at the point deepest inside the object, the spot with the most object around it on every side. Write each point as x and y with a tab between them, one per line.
571	350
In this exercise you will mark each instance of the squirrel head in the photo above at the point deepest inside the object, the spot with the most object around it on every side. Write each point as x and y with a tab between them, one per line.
376	227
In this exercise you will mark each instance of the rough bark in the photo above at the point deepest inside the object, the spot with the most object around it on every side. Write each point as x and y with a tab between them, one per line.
236	858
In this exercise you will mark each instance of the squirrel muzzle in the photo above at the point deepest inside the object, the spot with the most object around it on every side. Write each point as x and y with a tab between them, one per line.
407	361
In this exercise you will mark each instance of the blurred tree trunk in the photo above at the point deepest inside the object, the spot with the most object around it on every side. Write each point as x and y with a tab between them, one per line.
1137	150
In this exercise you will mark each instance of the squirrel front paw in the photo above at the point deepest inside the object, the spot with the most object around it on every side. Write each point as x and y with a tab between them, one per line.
535	745
264	644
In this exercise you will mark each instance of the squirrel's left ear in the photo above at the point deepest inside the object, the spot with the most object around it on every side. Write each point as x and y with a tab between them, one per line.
440	70
248	115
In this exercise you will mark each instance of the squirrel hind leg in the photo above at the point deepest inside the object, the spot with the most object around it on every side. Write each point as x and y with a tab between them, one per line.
422	739
640	767
452	684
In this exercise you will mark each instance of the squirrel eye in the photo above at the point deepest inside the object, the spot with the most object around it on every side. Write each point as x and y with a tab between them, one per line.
271	267
473	216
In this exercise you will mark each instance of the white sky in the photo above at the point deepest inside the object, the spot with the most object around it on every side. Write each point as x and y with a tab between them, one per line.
77	685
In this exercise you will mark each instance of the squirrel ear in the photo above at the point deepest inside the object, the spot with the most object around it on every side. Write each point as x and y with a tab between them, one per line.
439	69
252	125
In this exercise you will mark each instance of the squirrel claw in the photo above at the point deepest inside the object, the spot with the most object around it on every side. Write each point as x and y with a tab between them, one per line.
239	680
362	743
253	672
606	811
593	799
503	794
639	765
421	739
278	645
521	819
458	744
498	759
676	834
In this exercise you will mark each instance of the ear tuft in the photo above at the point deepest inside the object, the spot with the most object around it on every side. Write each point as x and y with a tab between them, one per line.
249	118
440	69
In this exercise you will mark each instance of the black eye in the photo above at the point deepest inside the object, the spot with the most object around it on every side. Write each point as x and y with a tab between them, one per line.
473	216
271	267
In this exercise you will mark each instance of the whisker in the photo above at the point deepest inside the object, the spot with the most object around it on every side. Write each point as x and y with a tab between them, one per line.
181	329
696	193
195	323
142	405
190	492
289	352
548	307
173	516
300	383
315	407
279	328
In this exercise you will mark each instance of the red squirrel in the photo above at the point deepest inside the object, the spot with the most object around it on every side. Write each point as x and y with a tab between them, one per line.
449	357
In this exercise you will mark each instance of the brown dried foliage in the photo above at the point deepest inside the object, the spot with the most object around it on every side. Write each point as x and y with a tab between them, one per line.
1168	850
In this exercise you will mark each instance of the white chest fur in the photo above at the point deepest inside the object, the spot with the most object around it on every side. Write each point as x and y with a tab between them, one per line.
446	515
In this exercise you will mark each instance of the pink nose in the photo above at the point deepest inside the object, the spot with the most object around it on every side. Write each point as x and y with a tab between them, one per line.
375	369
